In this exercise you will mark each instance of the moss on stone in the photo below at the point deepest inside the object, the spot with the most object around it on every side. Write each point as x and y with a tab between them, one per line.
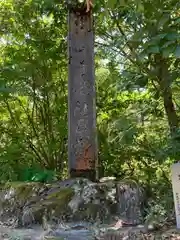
17	185
60	193
57	200
23	190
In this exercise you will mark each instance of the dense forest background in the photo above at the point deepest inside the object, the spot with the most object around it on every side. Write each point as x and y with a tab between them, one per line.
137	62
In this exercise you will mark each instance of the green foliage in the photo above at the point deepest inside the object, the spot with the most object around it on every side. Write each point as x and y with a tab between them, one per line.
33	66
139	121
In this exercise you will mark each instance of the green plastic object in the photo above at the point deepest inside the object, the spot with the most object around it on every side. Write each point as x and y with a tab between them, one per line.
37	175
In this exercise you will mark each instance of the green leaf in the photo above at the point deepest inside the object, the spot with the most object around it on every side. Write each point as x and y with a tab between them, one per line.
122	3
173	36
163	20
6	90
142	81
177	21
153	49
168	51
112	3
154	42
166	44
140	6
177	52
156	39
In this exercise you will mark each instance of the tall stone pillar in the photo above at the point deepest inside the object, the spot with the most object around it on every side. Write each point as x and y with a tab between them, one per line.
82	139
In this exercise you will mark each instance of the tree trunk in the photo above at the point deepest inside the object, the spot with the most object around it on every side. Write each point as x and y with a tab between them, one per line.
82	149
170	110
166	91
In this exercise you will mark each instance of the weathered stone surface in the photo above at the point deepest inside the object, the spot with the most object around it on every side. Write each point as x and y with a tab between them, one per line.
82	138
92	232
24	204
130	199
71	234
137	233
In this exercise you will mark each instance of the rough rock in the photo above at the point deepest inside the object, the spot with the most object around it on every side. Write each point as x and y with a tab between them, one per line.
139	233
89	232
24	204
130	201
